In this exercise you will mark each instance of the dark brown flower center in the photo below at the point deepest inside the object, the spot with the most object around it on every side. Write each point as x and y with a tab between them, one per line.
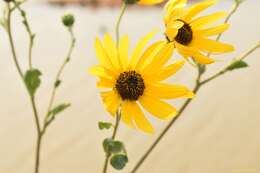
130	85
184	35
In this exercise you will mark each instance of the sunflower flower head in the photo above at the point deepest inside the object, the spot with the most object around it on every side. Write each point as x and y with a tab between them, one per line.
189	35
137	81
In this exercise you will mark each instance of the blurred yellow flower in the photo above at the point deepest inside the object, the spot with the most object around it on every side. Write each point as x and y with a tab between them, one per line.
189	35
150	2
137	81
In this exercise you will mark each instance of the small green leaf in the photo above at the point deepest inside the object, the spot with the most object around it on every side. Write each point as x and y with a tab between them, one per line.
104	125
58	109
117	147
237	65
107	144
57	83
112	146
32	80
119	161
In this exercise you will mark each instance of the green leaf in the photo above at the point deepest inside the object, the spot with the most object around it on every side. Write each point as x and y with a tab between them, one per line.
117	147
107	144
237	65
119	161
112	146
104	125
57	83
32	80
58	109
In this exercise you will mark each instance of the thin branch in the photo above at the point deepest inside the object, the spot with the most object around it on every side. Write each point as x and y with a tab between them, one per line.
224	70
57	80
118	117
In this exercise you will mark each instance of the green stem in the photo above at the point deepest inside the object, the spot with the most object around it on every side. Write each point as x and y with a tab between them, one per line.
39	135
28	29
57	80
10	37
198	85
118	117
225	70
166	129
123	9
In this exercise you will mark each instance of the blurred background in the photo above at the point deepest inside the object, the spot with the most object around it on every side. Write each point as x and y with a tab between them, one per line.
218	133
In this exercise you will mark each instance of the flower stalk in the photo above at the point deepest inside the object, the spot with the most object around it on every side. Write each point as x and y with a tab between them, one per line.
31	78
108	154
198	85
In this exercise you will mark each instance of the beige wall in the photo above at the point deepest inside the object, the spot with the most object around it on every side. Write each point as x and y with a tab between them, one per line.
218	133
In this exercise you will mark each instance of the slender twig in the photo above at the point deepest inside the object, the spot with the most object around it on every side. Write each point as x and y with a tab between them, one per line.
57	80
230	14
198	85
10	37
32	99
118	118
224	70
123	9
29	31
118	113
186	103
165	130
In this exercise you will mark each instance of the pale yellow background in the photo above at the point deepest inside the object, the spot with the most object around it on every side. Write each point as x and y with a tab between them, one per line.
218	133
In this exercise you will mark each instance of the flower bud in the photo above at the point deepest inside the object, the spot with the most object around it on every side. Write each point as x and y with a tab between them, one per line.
68	20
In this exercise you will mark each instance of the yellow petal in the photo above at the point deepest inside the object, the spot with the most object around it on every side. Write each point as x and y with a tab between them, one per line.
160	59
157	107
206	20
149	2
202	59
149	54
126	117
137	114
212	31
111	101
173	15
111	50
196	9
139	48
123	52
166	72
105	83
168	91
172	29
173	4
102	72
102	56
213	46
186	51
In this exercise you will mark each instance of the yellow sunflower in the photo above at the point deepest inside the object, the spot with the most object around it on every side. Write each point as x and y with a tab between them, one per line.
149	2
137	81
189	35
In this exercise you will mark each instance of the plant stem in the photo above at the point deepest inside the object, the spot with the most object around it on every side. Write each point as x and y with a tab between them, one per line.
198	85
57	80
10	37
118	117
29	31
32	99
123	9
224	70
165	130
